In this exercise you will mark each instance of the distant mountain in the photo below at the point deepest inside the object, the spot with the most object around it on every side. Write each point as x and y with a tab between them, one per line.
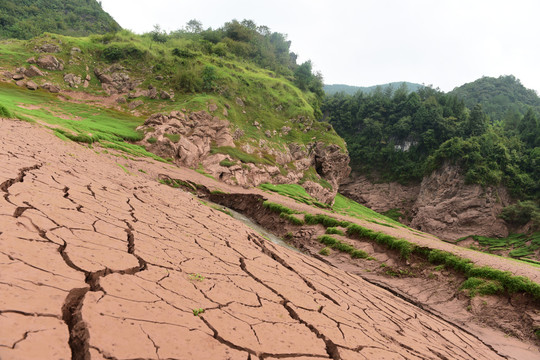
24	19
351	90
500	97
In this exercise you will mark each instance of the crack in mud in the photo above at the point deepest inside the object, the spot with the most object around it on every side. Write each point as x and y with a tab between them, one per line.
20	178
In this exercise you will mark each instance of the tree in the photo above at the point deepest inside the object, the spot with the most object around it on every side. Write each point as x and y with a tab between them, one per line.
194	26
477	122
158	35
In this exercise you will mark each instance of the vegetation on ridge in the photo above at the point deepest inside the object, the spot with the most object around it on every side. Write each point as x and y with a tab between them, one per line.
24	19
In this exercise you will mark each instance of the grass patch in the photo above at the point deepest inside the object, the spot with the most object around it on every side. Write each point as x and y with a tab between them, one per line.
325	251
334	230
292	219
404	247
227	163
346	206
173	137
244	157
393	214
294	191
479	286
278	208
325	220
521	246
334	243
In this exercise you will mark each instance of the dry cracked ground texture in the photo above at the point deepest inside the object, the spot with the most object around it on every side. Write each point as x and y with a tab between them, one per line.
98	263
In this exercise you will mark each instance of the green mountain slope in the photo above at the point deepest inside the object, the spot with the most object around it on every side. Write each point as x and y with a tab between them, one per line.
351	90
502	97
24	19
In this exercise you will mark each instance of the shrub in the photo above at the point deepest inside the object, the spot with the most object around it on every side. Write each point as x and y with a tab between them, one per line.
521	213
183	53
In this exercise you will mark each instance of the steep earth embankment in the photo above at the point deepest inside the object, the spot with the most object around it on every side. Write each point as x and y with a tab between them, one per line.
442	205
189	139
99	261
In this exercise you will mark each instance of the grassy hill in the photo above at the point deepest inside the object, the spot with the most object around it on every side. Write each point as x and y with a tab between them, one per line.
351	90
242	70
24	19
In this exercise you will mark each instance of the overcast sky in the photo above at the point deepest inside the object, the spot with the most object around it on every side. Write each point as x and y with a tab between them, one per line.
445	43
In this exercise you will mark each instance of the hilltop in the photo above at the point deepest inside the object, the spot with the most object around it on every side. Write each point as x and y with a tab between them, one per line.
503	98
30	18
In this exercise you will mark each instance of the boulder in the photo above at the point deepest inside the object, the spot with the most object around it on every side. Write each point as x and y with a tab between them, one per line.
51	88
164	95
47	48
30	85
212	107
17	77
50	62
33	71
135	104
31	60
73	80
240	102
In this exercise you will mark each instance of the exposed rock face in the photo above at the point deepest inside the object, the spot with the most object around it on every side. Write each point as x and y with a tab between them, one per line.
50	62
30	85
97	263
380	196
72	80
114	80
47	48
442	204
199	131
51	88
449	208
33	71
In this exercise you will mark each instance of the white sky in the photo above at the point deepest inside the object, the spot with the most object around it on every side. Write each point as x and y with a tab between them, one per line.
445	43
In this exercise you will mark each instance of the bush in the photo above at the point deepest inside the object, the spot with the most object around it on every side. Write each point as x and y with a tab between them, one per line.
183	53
521	213
115	52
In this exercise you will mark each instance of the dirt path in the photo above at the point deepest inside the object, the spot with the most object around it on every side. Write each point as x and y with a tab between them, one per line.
97	262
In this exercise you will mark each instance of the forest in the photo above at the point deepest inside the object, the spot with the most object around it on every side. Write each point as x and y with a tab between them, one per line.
24	19
401	136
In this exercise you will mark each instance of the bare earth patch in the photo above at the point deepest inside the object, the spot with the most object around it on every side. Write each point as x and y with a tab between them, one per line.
99	263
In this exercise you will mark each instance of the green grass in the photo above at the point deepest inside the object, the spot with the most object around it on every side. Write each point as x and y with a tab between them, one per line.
243	156
519	245
227	163
334	230
333	243
346	206
278	208
173	137
292	219
325	251
293	191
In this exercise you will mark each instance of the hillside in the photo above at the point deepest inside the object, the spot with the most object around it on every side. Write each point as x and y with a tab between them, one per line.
331	89
24	19
248	112
503	98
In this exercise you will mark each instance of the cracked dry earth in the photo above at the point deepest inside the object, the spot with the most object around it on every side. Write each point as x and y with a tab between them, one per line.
96	263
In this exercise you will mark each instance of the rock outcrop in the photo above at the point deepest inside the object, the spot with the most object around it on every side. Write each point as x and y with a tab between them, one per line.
189	139
443	204
115	80
50	62
451	209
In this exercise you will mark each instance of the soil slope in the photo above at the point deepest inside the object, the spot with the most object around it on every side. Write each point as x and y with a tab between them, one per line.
99	261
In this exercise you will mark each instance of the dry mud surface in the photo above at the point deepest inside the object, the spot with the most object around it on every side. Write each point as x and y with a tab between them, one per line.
101	263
